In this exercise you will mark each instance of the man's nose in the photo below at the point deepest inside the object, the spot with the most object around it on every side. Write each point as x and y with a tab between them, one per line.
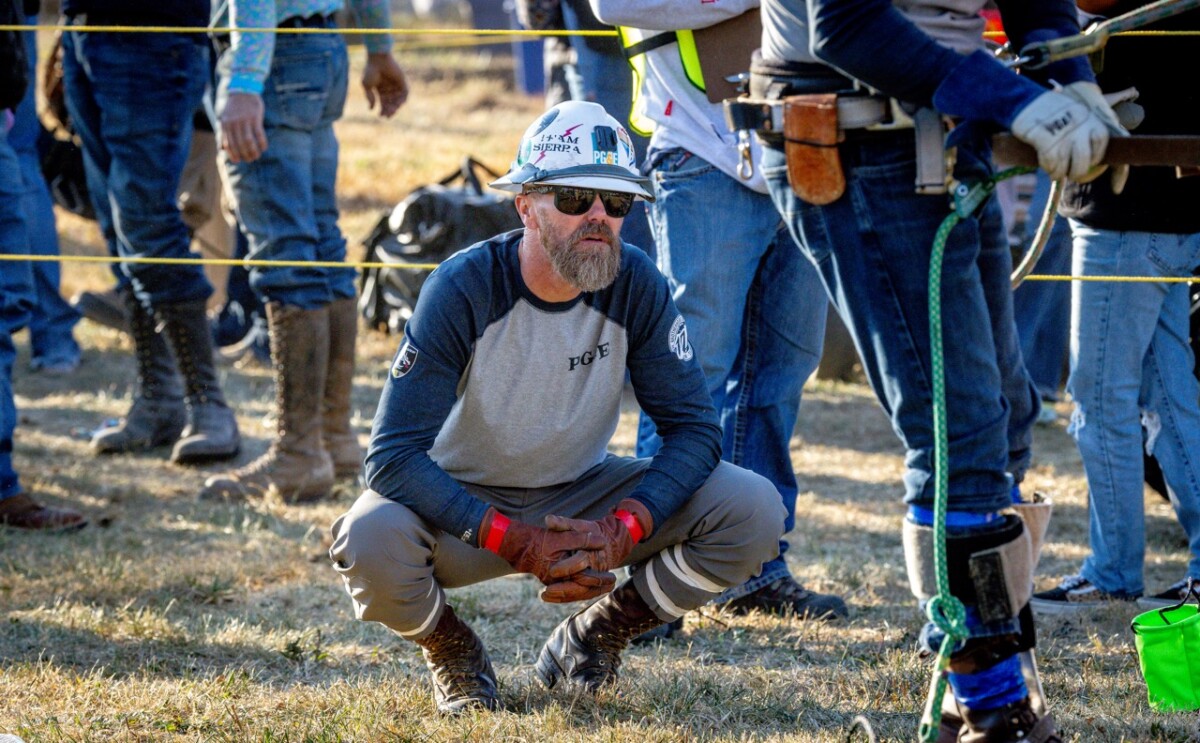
596	211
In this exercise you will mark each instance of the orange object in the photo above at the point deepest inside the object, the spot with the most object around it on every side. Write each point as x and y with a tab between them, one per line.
994	31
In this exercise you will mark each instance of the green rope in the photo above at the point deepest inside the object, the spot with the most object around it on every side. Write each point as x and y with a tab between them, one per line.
944	610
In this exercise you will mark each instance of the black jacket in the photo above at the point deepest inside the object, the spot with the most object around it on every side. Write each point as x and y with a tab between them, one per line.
192	13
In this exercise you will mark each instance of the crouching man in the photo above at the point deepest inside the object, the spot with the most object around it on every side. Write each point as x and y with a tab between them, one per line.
488	454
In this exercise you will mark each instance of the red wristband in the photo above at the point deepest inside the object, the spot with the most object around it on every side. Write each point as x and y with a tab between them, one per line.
635	529
496	532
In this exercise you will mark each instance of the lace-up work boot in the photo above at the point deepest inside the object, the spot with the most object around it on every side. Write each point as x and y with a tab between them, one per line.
585	649
211	433
157	415
1008	724
786	597
338	436
296	465
462	673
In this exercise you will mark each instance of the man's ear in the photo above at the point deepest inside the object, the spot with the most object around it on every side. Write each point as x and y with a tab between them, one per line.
524	206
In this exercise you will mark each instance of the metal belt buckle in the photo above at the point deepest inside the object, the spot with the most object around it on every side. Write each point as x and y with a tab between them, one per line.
897	119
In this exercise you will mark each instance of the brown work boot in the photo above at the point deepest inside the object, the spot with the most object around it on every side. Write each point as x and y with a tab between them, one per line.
339	438
211	433
158	414
1008	724
786	597
462	673
22	512
951	722
296	465
585	649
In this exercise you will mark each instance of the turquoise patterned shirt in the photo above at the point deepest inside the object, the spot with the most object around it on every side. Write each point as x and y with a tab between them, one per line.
252	51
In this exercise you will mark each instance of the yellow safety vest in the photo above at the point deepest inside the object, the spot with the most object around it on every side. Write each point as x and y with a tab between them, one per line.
635	43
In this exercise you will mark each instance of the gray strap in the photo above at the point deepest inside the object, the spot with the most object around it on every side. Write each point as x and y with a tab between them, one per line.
933	170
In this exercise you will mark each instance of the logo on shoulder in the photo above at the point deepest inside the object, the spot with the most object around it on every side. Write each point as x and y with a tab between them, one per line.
678	341
406	360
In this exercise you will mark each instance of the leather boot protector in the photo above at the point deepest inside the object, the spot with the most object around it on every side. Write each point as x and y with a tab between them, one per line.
990	570
1036	515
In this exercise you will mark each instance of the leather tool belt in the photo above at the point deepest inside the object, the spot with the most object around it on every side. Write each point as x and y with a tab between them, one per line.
811	126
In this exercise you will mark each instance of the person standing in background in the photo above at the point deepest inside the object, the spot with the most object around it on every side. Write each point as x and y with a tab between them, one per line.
131	98
278	95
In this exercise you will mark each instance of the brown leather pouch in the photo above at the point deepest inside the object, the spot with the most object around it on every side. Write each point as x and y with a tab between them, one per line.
811	136
724	50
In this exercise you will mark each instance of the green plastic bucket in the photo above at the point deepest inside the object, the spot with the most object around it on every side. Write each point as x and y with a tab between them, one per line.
1168	646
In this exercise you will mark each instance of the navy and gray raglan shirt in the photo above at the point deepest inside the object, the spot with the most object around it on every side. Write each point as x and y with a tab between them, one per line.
495	387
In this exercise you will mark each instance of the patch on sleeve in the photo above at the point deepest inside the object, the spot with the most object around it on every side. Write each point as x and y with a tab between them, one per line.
407	359
678	341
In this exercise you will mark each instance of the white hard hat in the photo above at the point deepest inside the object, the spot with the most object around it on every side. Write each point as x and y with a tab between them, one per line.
576	143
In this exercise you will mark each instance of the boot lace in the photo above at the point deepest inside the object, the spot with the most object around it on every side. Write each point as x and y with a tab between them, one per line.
610	645
456	664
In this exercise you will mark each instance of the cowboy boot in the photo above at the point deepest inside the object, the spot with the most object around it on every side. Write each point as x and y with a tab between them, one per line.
23	512
211	433
157	415
585	649
462	672
296	465
338	436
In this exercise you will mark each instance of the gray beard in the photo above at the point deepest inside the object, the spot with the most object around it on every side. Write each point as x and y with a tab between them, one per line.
588	272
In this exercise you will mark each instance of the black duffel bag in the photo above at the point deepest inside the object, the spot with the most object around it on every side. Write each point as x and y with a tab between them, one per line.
428	226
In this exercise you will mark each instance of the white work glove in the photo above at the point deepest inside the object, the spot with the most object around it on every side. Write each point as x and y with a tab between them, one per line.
1068	137
1089	94
1101	105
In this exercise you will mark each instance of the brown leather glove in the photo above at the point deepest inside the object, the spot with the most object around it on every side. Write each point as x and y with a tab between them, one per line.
584	585
619	531
550	555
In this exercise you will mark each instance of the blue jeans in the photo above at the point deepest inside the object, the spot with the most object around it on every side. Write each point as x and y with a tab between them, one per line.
755	311
1131	367
242	311
872	248
50	337
131	99
285	200
10	484
16	300
1042	309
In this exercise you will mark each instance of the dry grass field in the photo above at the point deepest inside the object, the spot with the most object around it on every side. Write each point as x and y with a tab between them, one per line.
174	619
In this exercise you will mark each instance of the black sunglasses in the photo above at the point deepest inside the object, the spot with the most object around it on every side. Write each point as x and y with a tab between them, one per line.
576	201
